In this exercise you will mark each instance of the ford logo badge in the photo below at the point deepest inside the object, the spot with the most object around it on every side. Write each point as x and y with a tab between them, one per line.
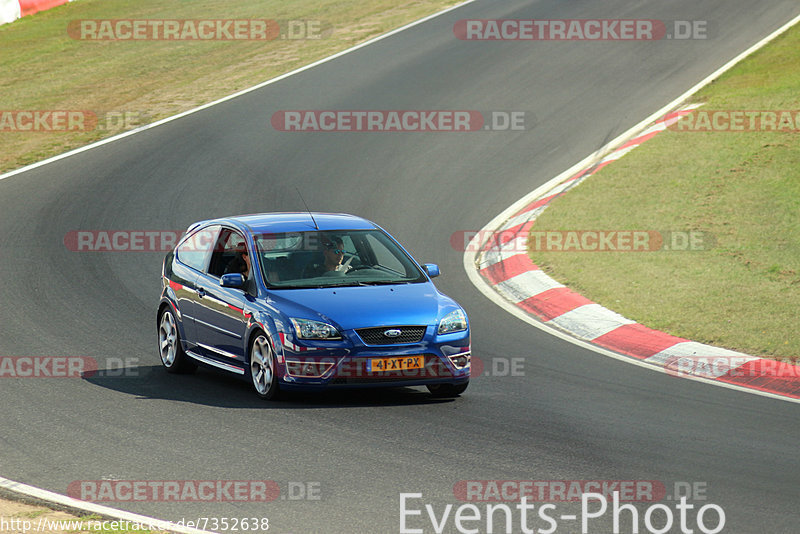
394	332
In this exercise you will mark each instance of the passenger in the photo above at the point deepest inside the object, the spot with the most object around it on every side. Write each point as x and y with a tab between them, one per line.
240	263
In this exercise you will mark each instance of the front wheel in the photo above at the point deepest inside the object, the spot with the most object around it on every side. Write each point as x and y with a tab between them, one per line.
173	357
447	390
262	368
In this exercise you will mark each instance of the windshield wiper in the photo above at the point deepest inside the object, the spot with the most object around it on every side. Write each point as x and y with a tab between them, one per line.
384	282
351	283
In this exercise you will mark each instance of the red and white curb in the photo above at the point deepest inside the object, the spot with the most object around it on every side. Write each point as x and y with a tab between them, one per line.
503	264
32	494
11	10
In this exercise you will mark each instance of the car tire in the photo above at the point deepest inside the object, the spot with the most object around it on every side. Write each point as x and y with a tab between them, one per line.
447	390
170	348
262	368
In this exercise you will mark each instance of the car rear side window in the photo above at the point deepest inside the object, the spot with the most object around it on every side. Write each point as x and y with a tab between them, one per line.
195	249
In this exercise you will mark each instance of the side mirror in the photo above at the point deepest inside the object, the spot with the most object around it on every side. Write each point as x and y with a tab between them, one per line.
232	280
432	269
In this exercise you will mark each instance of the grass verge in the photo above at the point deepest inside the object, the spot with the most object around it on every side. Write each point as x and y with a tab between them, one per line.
128	83
26	518
740	188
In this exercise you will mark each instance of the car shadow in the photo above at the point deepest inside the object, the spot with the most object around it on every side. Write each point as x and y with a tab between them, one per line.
211	388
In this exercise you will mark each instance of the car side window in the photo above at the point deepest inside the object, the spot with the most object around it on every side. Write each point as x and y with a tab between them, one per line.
227	252
195	249
385	257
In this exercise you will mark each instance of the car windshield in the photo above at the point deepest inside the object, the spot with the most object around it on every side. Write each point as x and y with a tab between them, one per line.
333	259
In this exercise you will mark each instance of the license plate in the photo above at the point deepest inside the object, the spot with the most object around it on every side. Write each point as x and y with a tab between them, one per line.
400	363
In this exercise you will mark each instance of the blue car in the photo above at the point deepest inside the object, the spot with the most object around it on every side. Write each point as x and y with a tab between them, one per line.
304	301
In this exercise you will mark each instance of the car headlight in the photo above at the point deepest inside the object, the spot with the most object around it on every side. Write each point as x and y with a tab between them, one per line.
455	321
308	329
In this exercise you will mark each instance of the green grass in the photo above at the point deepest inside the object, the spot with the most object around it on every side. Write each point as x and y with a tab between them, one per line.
743	188
51	519
43	68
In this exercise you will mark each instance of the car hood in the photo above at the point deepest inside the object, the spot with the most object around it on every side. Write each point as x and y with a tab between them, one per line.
364	306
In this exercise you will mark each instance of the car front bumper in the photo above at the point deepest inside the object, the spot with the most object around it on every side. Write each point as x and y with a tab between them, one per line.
436	359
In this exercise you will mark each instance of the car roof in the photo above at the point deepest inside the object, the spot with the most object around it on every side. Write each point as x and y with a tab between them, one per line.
262	223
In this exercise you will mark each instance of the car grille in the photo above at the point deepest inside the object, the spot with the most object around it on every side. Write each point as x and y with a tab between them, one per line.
376	336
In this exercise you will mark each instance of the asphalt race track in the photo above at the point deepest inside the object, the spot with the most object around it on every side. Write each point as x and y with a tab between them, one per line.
571	415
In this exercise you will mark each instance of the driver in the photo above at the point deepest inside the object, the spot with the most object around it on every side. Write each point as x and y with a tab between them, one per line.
333	254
